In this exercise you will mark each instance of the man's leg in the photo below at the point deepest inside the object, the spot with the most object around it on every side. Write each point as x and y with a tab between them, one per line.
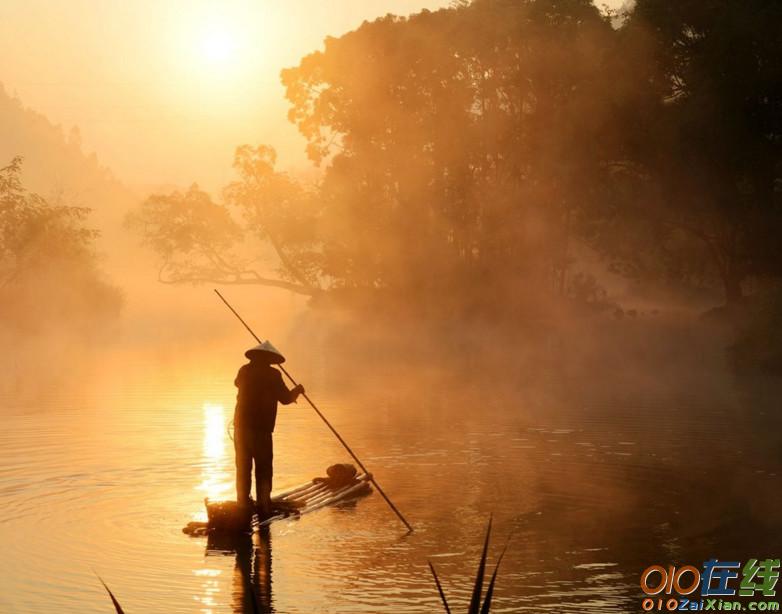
244	464
264	457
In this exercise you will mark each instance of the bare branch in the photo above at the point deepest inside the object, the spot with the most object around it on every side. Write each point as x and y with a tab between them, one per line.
233	278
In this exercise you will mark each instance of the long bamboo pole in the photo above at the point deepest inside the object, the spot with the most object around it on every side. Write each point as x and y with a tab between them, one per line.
326	421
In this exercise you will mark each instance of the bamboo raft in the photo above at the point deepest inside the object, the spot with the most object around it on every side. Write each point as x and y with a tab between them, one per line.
294	502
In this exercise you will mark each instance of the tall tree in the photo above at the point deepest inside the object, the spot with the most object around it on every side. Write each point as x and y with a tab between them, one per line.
711	159
458	144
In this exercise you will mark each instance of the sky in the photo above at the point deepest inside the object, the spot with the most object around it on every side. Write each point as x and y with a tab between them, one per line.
164	90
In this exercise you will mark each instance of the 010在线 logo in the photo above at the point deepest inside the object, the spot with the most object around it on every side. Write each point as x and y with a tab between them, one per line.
715	586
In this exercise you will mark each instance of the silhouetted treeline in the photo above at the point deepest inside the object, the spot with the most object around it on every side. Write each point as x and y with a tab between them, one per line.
483	156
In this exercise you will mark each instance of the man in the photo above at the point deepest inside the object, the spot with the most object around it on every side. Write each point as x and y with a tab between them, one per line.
260	388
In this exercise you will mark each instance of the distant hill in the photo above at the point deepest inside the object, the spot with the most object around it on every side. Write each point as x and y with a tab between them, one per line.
56	167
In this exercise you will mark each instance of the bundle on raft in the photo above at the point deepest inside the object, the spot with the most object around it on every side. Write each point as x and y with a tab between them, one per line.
343	482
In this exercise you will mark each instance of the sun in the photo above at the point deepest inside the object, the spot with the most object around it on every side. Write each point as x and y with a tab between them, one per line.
215	50
218	46
214	57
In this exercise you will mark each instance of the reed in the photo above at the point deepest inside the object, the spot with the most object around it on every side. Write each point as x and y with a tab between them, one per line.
117	606
476	607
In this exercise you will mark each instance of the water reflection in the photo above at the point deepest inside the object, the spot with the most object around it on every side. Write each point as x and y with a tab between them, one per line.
252	581
210	589
216	473
251	586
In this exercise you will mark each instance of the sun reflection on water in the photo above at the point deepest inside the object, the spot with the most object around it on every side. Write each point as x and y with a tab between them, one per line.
215	484
216	473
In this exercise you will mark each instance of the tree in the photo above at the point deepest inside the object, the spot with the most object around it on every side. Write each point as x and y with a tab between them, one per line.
279	210
198	240
709	163
47	251
458	144
35	234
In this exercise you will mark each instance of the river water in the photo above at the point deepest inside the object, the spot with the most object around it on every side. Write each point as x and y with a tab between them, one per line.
100	477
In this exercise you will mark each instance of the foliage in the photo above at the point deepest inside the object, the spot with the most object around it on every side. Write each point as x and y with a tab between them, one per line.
188	231
458	143
46	250
34	233
277	209
703	182
199	240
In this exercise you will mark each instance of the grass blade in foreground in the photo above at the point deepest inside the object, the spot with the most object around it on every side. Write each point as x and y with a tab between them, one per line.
117	606
490	591
439	588
475	602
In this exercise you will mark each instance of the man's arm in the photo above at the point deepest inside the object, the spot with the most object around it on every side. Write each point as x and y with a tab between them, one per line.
239	377
285	396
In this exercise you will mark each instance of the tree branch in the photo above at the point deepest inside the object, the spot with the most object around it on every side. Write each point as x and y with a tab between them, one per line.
238	278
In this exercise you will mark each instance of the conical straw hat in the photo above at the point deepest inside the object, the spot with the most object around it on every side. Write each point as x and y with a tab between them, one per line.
267	351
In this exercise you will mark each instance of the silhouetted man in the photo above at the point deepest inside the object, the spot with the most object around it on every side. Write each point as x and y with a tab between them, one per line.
260	389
